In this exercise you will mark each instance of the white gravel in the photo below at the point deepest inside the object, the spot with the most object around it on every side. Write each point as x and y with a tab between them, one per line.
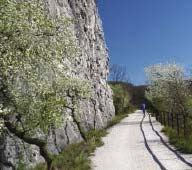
124	148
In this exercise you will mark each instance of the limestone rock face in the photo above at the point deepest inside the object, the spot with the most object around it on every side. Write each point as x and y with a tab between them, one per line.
92	65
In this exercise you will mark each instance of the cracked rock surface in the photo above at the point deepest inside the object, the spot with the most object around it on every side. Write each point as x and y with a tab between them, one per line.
92	65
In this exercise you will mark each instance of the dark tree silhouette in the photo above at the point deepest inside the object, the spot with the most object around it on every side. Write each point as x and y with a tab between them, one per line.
118	73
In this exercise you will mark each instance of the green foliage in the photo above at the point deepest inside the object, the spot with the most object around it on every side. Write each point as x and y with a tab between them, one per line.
21	164
74	157
39	167
35	52
121	99
180	142
77	156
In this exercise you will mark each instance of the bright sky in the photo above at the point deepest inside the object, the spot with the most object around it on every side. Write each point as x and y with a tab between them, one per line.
140	33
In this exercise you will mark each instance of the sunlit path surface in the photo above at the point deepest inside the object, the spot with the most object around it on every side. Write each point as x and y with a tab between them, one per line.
125	148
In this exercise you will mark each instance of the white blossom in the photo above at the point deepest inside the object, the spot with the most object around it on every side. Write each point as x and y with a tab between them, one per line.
167	84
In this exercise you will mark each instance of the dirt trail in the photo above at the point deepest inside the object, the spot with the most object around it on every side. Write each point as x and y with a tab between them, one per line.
134	145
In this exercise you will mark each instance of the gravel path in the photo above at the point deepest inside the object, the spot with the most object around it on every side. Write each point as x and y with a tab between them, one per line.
126	149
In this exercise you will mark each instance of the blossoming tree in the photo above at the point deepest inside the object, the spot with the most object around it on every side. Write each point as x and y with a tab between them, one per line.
168	89
34	83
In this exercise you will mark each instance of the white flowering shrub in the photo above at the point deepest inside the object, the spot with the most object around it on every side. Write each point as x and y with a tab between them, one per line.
35	49
169	92
167	86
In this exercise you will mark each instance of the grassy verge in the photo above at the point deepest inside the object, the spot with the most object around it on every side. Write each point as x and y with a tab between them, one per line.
182	144
116	120
76	156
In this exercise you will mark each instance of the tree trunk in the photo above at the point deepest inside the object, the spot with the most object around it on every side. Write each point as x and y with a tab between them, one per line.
46	156
177	117
184	126
168	121
160	117
172	120
157	116
164	116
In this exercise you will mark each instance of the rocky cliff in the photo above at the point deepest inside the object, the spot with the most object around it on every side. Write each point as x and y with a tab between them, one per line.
91	65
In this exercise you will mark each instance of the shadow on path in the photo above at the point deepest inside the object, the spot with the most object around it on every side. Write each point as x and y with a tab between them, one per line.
165	144
148	148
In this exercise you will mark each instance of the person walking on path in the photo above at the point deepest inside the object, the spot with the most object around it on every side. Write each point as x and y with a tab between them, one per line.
143	108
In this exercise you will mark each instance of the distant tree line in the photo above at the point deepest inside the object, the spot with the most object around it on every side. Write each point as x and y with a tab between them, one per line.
125	94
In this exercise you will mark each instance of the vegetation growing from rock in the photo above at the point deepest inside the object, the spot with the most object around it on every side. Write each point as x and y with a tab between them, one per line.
77	156
35	52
